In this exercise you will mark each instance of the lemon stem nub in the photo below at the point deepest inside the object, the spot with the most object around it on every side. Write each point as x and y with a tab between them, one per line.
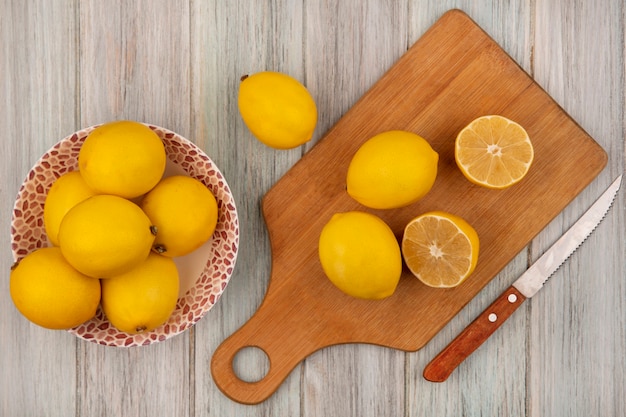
159	249
140	329
154	230
243	77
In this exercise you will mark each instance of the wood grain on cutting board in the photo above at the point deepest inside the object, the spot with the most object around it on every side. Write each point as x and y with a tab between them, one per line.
452	75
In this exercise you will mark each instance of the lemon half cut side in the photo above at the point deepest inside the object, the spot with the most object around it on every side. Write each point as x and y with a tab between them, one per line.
440	249
493	152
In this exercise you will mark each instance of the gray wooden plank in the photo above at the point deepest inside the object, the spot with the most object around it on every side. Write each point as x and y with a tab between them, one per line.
492	380
577	339
144	381
348	48
135	65
231	39
34	38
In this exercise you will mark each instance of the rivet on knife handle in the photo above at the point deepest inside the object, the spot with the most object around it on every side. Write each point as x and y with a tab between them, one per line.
440	368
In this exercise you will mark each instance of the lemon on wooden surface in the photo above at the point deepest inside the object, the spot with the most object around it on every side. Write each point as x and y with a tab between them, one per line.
49	292
277	108
494	152
184	212
66	191
123	158
360	255
440	249
143	298
105	235
392	169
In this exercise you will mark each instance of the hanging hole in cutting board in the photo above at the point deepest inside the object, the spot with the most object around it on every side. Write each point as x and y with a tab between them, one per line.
251	364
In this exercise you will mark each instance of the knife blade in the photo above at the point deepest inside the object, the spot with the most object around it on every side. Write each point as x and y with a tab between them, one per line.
527	285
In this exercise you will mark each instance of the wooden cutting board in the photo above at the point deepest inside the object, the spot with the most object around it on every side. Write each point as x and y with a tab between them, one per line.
452	75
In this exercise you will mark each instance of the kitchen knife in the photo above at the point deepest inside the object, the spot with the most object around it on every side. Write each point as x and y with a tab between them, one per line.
525	287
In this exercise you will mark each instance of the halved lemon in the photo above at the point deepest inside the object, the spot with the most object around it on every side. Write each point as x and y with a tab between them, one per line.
494	152
440	249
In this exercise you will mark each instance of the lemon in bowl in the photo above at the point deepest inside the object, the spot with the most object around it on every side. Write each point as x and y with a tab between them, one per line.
67	191
183	212
123	158
143	298
49	292
105	235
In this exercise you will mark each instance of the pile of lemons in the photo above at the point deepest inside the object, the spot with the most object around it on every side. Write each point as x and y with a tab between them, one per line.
115	226
358	251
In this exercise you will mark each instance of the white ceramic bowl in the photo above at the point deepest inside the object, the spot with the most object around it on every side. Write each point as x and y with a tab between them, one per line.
204	273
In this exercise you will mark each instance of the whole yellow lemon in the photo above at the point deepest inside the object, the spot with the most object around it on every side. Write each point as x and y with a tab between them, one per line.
278	109
105	235
143	298
184	212
66	191
52	294
392	169
360	255
123	158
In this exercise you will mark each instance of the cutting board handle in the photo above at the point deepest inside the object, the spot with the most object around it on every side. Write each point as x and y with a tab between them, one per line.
279	339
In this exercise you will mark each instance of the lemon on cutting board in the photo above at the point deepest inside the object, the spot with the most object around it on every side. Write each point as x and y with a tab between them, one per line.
105	235
123	158
494	152
391	170
279	111
49	292
360	255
